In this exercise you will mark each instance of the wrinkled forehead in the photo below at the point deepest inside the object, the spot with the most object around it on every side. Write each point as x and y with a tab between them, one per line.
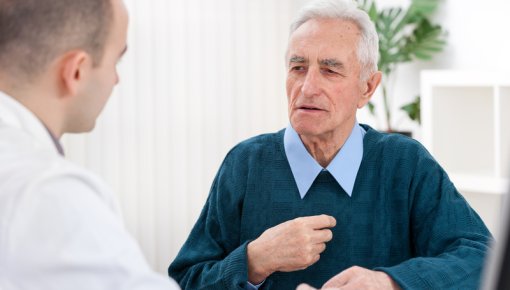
324	39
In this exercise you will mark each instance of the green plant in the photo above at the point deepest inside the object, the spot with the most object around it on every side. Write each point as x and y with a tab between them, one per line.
404	35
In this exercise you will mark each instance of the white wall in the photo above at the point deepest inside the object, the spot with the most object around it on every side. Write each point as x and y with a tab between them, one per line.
202	75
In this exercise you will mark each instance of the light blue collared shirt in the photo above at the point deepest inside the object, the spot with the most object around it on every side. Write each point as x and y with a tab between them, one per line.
344	167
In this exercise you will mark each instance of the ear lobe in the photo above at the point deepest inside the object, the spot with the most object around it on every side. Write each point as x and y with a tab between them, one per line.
75	66
369	88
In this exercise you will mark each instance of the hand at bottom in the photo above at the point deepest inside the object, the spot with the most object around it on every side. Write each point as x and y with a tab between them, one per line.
357	278
361	278
308	287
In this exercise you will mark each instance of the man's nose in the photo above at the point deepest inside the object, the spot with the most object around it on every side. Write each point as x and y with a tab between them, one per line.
311	86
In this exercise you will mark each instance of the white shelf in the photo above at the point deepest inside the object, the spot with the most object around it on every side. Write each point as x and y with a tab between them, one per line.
466	121
466	127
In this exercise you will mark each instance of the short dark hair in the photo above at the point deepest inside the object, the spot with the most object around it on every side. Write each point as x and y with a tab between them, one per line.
34	32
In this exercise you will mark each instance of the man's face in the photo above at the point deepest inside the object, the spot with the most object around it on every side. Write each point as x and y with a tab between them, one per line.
103	77
324	89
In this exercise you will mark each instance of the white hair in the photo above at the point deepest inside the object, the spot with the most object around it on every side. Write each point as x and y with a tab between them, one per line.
368	45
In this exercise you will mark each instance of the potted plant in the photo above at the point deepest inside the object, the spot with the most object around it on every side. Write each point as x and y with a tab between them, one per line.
405	35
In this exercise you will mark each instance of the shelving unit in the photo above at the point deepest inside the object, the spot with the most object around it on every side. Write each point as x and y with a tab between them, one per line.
466	127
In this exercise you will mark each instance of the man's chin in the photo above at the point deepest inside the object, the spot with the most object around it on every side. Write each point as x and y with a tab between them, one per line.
81	128
306	129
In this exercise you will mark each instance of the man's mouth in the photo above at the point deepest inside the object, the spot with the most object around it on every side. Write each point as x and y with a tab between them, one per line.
310	108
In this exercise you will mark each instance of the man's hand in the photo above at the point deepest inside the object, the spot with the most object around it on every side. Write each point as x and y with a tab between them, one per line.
308	287
290	246
361	278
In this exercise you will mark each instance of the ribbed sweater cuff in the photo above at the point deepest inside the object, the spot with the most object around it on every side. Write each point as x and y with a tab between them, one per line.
236	268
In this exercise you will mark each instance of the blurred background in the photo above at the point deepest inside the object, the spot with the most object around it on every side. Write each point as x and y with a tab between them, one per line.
202	75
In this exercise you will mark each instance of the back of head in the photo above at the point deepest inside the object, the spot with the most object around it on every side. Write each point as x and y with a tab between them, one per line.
368	46
34	32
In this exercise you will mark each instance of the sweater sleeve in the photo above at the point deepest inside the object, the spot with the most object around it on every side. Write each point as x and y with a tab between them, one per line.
448	238
213	257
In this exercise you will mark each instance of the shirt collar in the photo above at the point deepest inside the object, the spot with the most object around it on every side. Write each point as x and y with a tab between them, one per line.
15	114
344	166
56	142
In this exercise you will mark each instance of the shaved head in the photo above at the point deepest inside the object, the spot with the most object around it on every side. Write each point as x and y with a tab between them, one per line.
34	32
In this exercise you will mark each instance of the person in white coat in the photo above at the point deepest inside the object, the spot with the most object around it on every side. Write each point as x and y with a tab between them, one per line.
60	226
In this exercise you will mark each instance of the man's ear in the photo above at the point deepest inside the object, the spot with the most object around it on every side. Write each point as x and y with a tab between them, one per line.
75	67
369	88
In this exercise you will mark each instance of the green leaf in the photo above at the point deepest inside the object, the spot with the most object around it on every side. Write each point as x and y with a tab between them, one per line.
371	108
372	12
426	40
423	7
413	110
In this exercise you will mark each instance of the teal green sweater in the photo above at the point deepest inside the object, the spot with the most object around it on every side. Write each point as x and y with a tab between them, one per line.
405	218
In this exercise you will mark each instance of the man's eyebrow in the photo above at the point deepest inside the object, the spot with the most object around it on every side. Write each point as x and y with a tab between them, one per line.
297	59
331	62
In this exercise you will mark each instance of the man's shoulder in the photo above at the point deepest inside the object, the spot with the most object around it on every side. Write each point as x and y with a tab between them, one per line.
27	168
19	153
260	144
396	144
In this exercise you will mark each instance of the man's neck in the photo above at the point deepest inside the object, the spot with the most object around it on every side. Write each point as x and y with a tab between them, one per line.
324	148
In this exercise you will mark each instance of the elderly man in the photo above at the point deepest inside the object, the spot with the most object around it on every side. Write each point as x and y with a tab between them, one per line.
328	196
60	226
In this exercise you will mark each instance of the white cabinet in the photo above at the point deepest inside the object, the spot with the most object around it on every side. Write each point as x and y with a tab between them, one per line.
466	127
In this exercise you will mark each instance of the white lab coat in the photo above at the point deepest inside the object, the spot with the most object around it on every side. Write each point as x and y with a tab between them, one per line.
60	226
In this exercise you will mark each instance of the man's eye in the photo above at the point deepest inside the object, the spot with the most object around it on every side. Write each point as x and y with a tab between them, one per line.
298	68
329	71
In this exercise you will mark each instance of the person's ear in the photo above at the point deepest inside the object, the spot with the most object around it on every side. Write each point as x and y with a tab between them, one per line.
75	67
368	88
